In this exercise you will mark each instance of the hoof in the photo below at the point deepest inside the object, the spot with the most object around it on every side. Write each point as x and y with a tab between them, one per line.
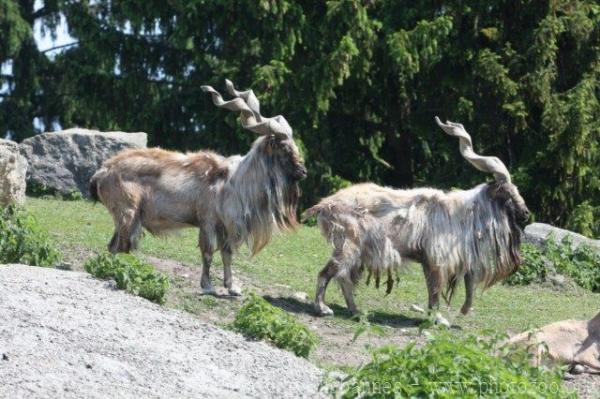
208	290
465	310
234	291
323	310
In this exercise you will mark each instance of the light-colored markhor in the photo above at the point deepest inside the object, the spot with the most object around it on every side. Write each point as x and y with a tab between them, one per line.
572	342
13	169
66	335
235	200
64	161
472	234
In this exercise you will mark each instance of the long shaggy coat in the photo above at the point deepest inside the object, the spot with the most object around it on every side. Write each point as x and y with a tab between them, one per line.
471	234
235	200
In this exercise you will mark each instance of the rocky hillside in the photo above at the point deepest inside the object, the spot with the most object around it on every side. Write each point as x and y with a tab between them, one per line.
64	334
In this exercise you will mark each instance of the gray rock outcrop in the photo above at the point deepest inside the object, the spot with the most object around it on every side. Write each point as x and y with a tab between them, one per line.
13	168
63	162
67	335
538	233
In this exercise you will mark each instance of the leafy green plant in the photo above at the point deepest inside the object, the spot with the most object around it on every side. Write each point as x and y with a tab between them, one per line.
449	366
130	274
37	189
258	319
73	195
582	264
22	240
535	267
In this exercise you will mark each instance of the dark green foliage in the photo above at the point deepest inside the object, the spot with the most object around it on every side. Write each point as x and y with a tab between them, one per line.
449	366
259	319
131	274
535	267
22	240
360	82
582	264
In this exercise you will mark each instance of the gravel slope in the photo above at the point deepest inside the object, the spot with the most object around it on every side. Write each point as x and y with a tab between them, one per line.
64	334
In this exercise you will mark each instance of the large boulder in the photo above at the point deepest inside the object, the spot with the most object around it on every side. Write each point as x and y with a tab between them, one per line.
13	168
63	162
538	233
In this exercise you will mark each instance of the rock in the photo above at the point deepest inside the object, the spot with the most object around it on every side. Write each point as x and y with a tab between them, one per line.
568	376
439	319
300	296
557	279
417	308
577	369
63	162
13	169
65	266
538	233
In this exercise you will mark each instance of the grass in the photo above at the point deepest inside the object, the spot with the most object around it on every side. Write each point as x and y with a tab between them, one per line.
294	260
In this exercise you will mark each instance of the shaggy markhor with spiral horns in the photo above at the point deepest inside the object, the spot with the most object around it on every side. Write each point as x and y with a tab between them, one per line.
473	234
230	200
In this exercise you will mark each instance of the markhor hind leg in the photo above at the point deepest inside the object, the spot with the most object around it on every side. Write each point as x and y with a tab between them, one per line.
113	245
348	290
129	230
328	272
207	249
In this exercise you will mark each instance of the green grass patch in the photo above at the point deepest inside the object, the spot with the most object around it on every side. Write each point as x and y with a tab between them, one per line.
22	240
258	319
131	275
450	366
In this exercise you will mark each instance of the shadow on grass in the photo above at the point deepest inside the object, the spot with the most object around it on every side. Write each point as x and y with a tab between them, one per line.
293	305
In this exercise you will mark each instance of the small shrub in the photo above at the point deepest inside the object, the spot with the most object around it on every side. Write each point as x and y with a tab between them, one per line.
258	319
130	274
535	267
73	195
37	189
448	366
22	240
582	264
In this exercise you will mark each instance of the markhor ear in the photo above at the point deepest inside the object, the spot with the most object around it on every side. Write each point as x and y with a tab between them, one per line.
497	190
269	146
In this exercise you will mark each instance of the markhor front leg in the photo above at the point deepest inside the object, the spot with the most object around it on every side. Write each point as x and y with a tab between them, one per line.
469	287
226	256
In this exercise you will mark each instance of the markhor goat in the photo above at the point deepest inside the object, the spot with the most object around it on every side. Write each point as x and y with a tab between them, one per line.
231	200
473	234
